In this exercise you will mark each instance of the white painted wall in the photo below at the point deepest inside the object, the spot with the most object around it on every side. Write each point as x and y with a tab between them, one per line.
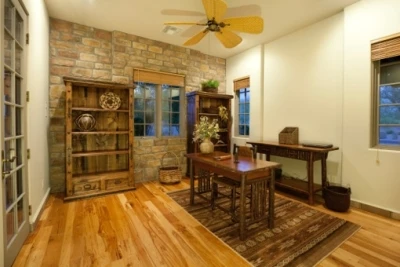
248	63
38	117
372	183
319	79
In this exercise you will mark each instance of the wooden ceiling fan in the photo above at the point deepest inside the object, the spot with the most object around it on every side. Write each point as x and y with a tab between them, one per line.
223	28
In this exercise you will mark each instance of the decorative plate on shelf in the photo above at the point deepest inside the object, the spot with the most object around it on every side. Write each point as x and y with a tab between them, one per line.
85	122
110	100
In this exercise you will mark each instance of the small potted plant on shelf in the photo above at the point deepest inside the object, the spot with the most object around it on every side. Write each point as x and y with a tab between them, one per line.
204	131
210	86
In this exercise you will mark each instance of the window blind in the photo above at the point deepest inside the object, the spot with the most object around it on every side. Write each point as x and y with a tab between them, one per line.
385	47
241	83
156	77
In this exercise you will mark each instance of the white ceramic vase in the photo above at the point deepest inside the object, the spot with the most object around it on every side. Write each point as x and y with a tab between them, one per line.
206	146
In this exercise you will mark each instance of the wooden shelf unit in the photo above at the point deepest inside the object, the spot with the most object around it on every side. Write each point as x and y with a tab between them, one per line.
206	104
99	161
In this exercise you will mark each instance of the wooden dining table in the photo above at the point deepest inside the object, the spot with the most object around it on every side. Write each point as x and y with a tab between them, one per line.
247	171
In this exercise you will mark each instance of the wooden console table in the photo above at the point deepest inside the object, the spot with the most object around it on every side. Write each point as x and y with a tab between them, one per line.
300	152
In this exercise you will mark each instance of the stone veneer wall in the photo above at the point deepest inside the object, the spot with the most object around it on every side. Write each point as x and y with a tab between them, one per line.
89	53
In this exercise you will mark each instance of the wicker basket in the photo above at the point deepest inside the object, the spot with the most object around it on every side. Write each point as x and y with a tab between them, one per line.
170	174
289	136
337	198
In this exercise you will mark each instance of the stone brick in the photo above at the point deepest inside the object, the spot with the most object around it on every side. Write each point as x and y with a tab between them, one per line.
102	66
84	64
61	45
122	42
88	57
204	68
148	54
120	79
156	49
106	45
146	142
55	79
101	34
81	72
119	72
61	25
56	91
120	48
128	71
136	64
174	141
84	48
161	142
133	51
175	60
152	163
55	35
91	42
68	54
169	64
102	74
62	62
136	58
168	69
162	57
102	52
106	60
70	38
158	149
152	67
139	46
142	150
59	70
155	62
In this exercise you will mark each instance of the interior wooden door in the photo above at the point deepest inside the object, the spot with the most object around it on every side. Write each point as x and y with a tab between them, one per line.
13	131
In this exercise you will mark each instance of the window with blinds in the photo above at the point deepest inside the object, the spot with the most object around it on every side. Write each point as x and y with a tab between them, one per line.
242	91
385	55
158	103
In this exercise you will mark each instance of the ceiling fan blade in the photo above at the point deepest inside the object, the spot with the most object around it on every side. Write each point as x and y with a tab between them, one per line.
195	39
184	23
228	38
215	9
252	24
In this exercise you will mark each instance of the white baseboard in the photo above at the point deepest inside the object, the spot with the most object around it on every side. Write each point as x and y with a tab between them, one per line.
34	217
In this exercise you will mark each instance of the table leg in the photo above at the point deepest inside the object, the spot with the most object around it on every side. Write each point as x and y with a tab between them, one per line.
271	203
242	211
191	183
323	169
310	174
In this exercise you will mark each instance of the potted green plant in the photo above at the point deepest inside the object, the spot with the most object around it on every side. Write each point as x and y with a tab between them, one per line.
210	86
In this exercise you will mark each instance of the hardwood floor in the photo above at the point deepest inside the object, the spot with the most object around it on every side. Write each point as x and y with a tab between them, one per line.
146	228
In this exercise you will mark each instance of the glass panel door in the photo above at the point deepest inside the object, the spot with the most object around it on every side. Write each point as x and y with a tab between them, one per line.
13	134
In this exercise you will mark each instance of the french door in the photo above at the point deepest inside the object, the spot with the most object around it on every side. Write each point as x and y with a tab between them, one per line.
13	131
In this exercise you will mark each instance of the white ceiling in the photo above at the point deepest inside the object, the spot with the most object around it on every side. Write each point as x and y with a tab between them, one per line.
146	17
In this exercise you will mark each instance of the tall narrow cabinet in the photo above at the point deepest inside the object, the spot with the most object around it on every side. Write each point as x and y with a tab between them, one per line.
99	138
207	104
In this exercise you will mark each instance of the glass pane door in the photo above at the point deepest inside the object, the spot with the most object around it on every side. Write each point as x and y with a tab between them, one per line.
13	135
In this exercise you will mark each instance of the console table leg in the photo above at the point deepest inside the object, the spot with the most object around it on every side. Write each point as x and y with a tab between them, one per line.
242	211
191	183
310	174
323	169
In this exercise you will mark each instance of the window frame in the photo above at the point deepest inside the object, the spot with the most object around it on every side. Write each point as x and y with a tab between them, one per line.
238	113
159	79
375	113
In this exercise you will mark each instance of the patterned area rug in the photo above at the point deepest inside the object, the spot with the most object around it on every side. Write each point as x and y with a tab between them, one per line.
302	236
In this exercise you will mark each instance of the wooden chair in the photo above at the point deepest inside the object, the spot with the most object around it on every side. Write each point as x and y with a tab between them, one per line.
243	151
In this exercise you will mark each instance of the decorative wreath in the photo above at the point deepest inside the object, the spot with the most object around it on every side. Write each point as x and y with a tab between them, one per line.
110	101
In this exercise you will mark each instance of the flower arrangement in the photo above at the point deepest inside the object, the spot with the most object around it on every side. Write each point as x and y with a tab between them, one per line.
223	113
205	129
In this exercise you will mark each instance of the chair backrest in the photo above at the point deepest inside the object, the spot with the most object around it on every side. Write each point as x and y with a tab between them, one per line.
245	151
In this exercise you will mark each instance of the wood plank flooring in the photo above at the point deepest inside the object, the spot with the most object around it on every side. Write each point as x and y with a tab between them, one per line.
146	228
